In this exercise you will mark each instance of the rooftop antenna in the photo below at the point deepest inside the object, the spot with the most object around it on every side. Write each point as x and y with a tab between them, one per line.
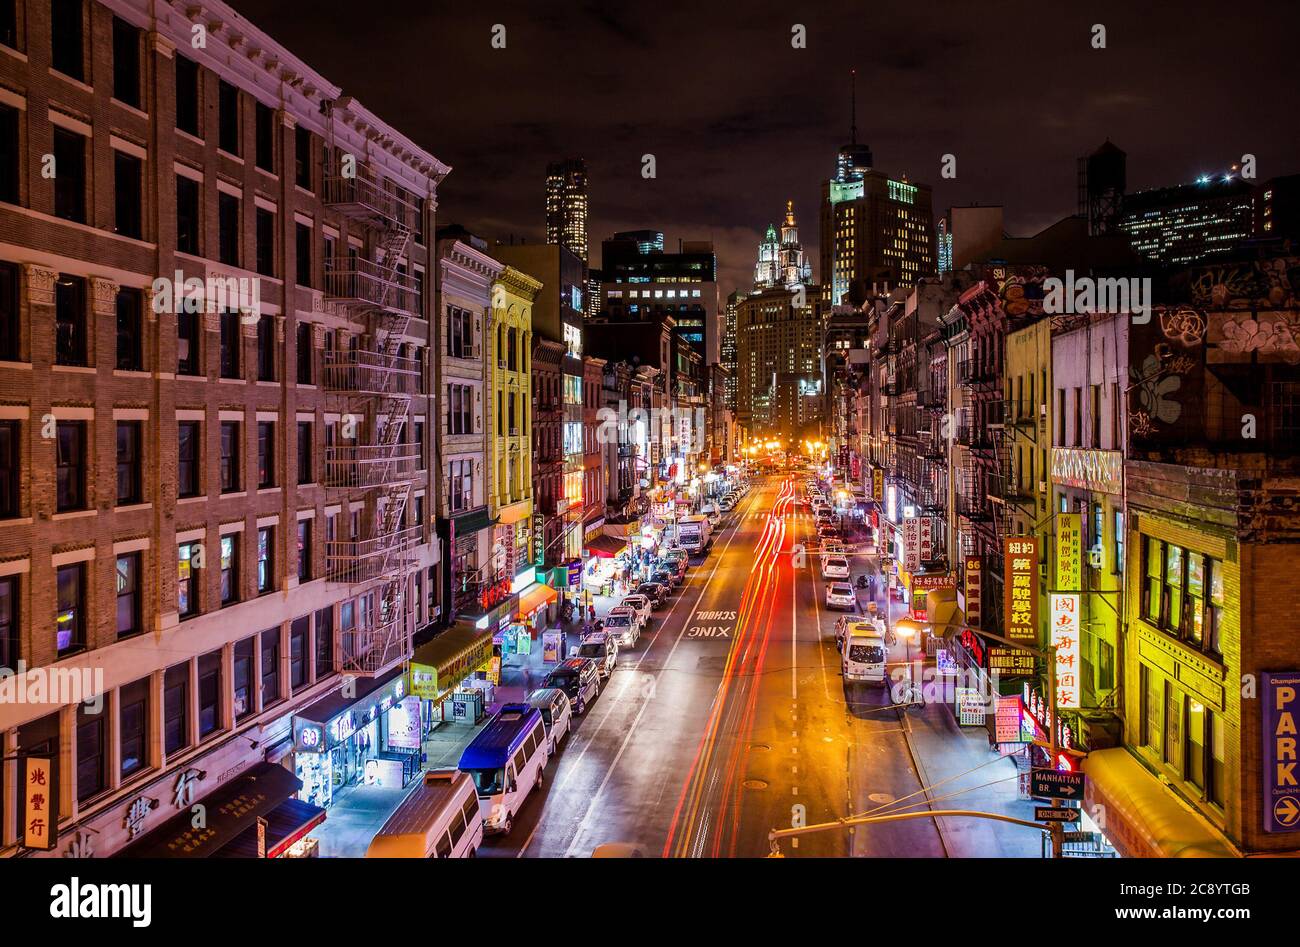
853	106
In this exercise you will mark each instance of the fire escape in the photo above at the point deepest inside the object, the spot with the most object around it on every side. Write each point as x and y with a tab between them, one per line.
372	381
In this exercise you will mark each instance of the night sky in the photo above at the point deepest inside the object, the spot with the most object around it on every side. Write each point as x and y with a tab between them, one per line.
740	122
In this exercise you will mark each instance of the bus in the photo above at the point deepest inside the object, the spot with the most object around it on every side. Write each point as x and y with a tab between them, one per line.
506	761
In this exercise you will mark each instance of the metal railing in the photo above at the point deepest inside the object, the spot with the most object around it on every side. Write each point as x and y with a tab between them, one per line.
360	560
364	195
358	282
371	465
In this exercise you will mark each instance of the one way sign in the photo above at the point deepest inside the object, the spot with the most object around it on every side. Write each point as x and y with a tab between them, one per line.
1055	784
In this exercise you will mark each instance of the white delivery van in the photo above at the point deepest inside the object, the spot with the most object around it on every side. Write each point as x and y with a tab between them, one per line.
863	653
439	819
693	534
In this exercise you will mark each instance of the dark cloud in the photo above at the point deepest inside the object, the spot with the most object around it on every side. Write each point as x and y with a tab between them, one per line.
740	122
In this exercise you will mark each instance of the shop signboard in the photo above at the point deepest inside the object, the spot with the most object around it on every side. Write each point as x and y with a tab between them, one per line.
1009	720
971	706
424	681
1020	571
550	646
878	484
1010	662
494	671
911	544
404	724
539	539
972	585
1069	551
575	573
926	539
1281	695
40	803
1065	638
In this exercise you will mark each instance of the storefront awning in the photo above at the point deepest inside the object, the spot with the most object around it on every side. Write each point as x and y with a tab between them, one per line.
533	598
232	809
606	547
1143	818
439	665
472	522
288	822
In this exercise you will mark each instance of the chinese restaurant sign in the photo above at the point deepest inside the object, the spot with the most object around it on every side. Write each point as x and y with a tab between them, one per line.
1020	557
1281	696
974	566
1065	638
1069	550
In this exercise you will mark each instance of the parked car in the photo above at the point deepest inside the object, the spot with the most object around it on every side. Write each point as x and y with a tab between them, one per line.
624	623
835	567
662	576
832	547
641	605
827	532
841	595
556	714
600	647
579	678
657	593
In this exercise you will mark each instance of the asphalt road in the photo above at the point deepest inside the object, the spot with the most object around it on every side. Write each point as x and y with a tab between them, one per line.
730	718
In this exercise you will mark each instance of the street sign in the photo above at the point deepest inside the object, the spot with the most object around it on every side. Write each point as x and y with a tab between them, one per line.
1055	784
1049	814
1080	837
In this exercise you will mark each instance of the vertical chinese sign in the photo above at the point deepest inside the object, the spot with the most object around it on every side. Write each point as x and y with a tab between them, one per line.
927	539
1020	575
40	804
1065	638
1069	552
911	544
878	485
972	586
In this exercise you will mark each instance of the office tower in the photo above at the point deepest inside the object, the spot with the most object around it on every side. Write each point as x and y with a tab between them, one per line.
781	260
778	373
566	205
1190	223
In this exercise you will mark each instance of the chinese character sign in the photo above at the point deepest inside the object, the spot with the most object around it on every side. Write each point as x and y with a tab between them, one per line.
40	804
911	544
927	539
1065	638
972	587
878	485
1020	574
1069	550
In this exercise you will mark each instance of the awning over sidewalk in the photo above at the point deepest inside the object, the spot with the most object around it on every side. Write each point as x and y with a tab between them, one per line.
606	547
439	665
288	822
533	598
1143	818
473	521
232	809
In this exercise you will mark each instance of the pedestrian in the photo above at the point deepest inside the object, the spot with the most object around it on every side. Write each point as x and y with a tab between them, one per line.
591	612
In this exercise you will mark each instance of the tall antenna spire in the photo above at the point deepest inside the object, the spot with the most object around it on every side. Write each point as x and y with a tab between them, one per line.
853	107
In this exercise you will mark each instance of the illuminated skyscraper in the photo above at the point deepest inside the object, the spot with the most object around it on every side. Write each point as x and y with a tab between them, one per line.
781	261
566	206
1189	223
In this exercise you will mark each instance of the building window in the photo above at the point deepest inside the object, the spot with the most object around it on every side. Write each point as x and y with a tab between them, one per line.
176	708
133	726
460	485
10	471
70	617
128	594
302	253
302	157
230	326
265	225
130	470
10	155
92	752
127	195
270	666
70	486
130	330
228	229
265	560
241	668
187	215
1117	560
227	117
187	95
304	550
9	23
460	410
66	52
265	454
266	348
70	177
299	633
324	642
188	455
230	477
305	472
187	579
265	137
70	335
304	354
126	63
9	640
229	569
187	343
209	687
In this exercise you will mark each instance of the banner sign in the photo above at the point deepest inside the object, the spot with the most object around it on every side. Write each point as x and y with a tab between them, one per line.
1065	638
40	803
1020	571
972	586
1069	551
927	539
878	484
911	544
1281	782
1010	662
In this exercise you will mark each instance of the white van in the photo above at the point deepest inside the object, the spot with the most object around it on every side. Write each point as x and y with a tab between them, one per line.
863	653
506	762
439	819
556	715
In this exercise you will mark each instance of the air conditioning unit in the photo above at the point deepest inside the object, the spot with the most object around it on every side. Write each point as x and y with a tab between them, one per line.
1042	486
1095	557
